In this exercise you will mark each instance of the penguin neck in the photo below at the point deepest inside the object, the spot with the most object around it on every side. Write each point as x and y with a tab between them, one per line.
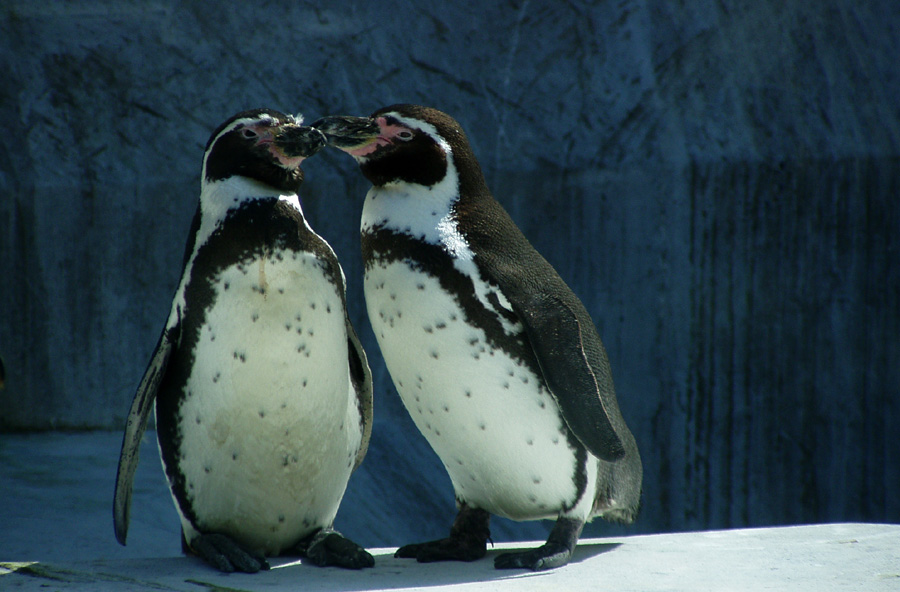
423	212
219	198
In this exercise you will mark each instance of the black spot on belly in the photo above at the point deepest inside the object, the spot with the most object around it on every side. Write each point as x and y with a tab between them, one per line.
440	325
254	317
234	455
226	285
262	413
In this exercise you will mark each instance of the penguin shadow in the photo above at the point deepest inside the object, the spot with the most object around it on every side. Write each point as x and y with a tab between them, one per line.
389	572
410	574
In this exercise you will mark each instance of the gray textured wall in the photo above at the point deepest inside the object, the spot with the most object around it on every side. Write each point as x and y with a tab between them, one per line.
719	181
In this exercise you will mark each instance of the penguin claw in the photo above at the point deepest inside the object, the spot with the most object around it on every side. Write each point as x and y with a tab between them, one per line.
449	549
330	548
547	556
227	556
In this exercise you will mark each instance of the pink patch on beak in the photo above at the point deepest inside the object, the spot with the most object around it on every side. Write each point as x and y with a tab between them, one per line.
387	135
288	162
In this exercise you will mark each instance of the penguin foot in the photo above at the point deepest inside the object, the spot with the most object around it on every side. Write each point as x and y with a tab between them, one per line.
226	555
467	541
547	556
556	552
449	549
329	548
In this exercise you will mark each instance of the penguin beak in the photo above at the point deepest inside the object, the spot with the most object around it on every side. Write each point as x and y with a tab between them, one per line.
354	135
296	141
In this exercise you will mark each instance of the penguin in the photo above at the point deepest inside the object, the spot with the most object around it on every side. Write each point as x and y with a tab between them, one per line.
496	360
261	389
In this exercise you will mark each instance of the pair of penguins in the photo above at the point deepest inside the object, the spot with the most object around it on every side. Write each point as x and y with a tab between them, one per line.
263	394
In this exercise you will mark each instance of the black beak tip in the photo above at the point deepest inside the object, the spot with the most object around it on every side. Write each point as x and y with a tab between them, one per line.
299	140
344	130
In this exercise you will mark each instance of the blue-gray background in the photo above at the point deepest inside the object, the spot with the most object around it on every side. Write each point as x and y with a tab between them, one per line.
718	181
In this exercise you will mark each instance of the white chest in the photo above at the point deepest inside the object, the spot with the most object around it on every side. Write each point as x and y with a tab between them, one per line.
497	430
270	426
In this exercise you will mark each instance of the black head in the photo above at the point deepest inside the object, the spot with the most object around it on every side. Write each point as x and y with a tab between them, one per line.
262	144
412	144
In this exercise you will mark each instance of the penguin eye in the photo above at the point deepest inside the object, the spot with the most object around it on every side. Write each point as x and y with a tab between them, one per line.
248	133
404	135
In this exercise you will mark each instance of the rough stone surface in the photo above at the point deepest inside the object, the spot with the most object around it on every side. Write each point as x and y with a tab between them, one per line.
717	180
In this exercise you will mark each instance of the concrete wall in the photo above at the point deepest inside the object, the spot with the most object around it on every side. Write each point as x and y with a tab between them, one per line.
719	181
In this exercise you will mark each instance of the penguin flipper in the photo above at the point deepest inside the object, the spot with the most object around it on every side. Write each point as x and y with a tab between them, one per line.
556	336
135	426
361	377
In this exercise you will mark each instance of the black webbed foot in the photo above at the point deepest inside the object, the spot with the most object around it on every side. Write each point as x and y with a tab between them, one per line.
546	556
224	554
467	541
556	552
328	547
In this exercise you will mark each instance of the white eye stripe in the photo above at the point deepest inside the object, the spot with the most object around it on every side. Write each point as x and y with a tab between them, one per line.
421	126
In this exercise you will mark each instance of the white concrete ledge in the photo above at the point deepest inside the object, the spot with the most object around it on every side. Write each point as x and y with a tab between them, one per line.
820	558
